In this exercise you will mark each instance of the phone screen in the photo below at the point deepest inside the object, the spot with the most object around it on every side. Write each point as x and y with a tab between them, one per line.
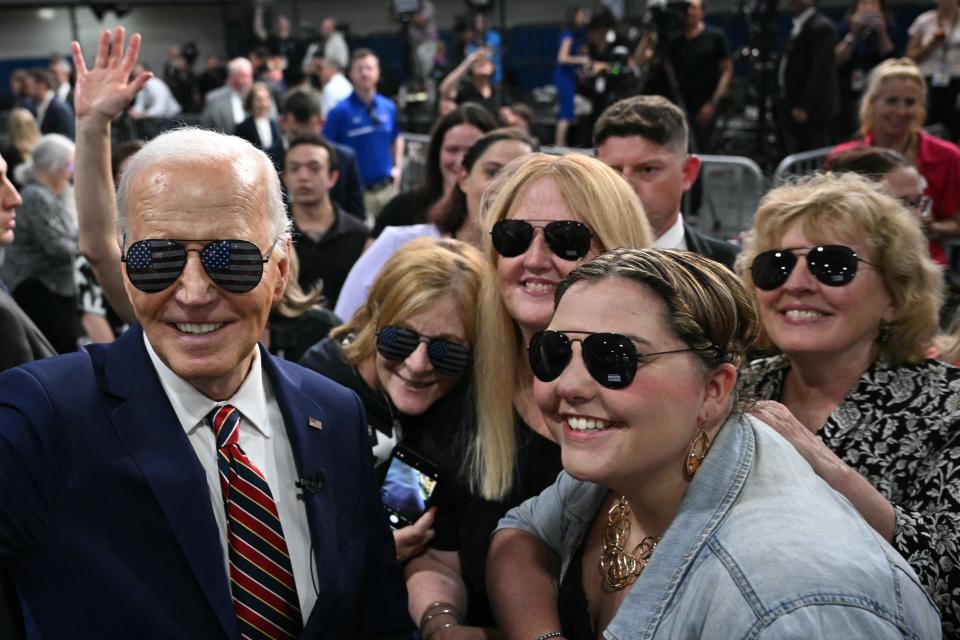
407	489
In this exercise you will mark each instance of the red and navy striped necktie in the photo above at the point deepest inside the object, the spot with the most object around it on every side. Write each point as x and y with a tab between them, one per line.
261	579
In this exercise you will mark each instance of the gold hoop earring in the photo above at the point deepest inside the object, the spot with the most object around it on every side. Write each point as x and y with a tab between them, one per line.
698	451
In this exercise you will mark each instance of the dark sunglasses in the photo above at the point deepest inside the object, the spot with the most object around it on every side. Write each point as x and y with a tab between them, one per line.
833	264
233	265
568	239
611	358
447	357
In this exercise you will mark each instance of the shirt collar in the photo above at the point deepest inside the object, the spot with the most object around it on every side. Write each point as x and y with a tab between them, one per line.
801	20
672	238
192	407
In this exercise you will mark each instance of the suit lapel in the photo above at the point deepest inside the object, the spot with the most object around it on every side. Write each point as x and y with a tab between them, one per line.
305	420
151	432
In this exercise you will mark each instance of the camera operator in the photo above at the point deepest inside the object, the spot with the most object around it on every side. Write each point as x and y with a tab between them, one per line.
692	67
866	41
612	76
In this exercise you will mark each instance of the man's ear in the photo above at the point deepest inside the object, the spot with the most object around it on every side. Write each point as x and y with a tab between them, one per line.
691	169
283	265
334	177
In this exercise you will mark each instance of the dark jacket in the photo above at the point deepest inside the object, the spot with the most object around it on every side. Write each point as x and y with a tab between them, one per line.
810	74
723	252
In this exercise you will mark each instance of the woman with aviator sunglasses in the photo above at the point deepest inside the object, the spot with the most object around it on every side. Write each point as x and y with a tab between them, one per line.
405	352
850	298
672	518
550	214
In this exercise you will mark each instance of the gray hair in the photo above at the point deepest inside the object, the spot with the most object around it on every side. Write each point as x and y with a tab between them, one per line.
52	153
199	146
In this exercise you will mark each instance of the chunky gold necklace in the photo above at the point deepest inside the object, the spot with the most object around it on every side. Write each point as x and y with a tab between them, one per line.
619	568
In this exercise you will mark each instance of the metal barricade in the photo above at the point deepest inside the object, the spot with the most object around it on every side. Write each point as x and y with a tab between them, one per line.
800	163
732	188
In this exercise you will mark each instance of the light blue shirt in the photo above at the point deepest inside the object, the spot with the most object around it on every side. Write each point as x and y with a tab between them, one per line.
760	547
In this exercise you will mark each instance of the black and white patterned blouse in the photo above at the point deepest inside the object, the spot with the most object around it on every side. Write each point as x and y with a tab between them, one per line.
900	428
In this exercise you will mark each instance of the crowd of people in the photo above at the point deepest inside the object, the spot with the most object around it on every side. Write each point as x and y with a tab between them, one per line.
220	345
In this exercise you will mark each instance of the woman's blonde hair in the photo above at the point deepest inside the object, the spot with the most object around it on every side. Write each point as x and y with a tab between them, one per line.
855	209
295	301
894	68
415	277
600	198
24	132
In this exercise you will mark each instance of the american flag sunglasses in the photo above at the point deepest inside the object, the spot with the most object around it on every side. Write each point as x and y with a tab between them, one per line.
233	265
447	357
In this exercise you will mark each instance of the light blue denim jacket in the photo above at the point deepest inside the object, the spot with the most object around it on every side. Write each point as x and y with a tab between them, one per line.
760	547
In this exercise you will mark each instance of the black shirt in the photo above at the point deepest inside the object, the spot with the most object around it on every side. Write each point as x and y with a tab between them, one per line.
697	65
403	209
330	257
464	521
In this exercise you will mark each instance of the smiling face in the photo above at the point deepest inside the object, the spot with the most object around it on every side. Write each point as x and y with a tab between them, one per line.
206	335
413	385
9	201
497	156
898	107
658	174
616	437
456	141
805	318
527	282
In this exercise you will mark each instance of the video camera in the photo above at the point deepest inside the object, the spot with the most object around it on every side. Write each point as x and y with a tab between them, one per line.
668	19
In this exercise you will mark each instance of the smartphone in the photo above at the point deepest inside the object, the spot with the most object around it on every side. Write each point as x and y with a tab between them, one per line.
408	487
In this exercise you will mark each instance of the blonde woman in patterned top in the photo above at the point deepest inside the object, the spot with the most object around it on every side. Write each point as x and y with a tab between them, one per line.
849	297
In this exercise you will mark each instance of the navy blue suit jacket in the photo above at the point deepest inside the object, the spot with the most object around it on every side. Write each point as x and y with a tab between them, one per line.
105	514
58	118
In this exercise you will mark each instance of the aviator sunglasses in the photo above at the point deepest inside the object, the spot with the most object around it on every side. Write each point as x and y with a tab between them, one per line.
233	265
610	358
568	239
447	357
832	264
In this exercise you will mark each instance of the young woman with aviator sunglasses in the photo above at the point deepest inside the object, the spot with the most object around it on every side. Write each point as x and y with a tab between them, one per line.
551	213
850	298
405	352
654	529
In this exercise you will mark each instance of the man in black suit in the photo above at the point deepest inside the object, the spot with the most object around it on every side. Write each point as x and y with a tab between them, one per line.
644	138
53	114
302	117
808	79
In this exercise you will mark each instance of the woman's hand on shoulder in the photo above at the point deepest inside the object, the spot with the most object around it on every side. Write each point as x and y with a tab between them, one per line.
412	540
807	444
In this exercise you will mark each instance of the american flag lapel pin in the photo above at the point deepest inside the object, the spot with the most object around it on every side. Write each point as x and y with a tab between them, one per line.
315	423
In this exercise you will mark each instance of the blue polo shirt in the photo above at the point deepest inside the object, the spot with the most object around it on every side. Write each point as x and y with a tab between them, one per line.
369	130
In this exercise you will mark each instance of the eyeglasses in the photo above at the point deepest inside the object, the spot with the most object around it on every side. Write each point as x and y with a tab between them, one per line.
921	205
611	358
447	357
233	265
833	265
568	239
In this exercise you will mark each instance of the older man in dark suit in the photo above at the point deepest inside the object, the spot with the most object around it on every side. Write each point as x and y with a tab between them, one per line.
182	482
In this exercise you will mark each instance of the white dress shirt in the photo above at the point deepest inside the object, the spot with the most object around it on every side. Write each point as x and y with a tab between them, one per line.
264	439
337	89
156	100
672	238
264	131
